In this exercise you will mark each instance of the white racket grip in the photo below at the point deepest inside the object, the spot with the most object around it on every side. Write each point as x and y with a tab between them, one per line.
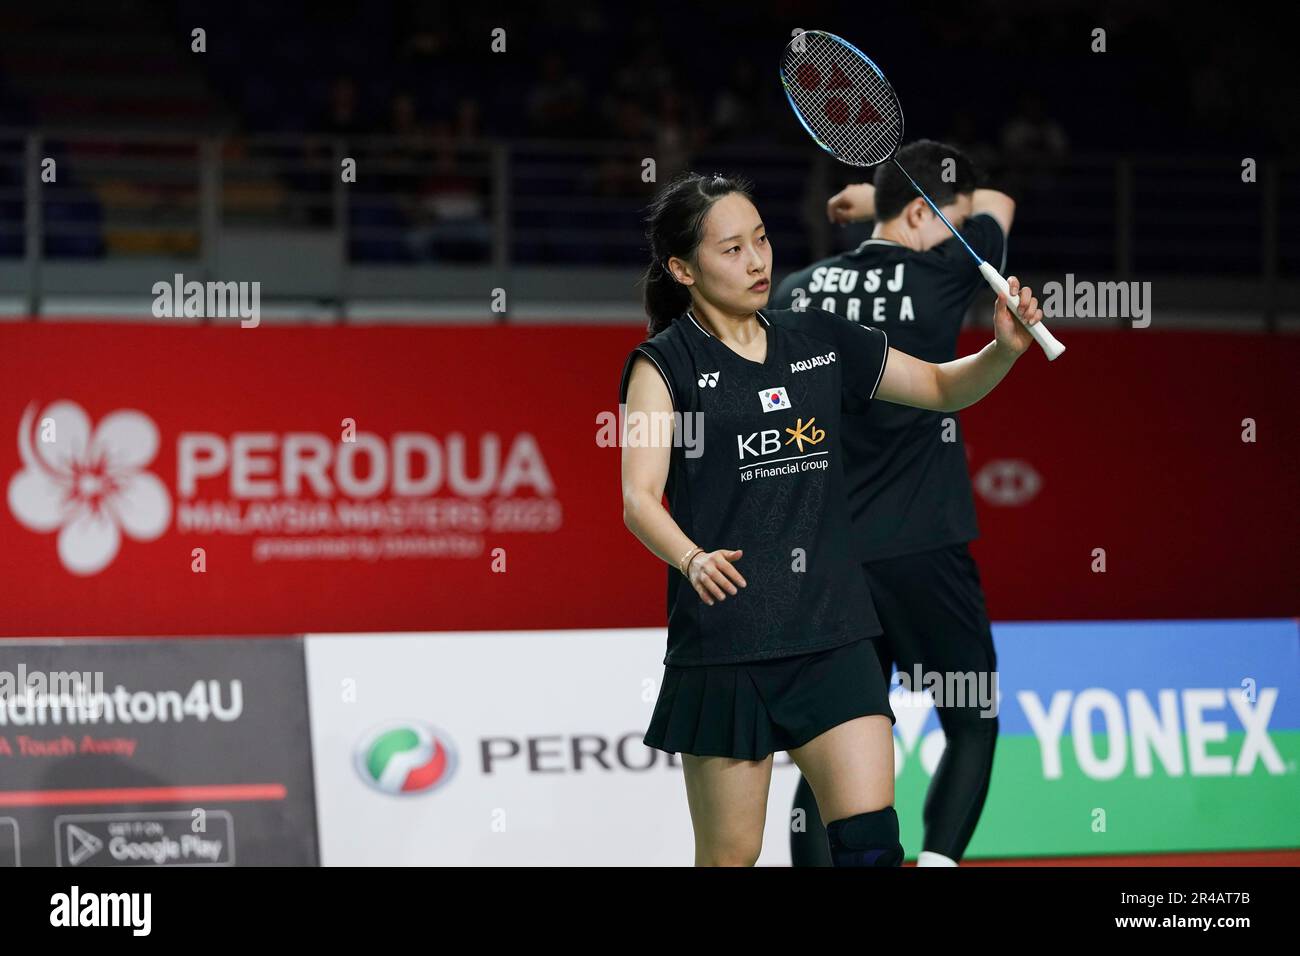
1051	347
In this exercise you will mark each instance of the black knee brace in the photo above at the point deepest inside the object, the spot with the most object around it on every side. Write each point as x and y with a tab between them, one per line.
867	839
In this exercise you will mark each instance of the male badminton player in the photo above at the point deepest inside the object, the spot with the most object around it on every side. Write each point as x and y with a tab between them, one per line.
769	617
908	487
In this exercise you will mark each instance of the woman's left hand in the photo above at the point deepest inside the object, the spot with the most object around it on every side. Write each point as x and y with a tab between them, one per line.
1010	332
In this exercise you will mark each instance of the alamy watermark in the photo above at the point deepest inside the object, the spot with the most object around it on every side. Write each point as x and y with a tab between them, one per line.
213	300
1084	299
651	430
83	690
956	689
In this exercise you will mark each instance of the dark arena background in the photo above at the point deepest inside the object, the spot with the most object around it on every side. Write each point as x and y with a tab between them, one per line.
312	324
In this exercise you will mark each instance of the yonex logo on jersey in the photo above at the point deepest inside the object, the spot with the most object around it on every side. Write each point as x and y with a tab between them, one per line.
816	361
774	399
708	379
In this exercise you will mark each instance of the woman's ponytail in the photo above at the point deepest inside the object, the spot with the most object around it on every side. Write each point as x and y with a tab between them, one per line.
665	297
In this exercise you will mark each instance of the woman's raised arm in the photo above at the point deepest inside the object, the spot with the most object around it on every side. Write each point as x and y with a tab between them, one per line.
952	386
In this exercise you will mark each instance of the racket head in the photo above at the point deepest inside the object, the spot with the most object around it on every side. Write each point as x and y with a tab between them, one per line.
842	98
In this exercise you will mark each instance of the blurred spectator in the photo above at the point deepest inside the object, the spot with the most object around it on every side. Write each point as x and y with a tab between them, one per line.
1031	137
631	122
450	219
343	117
1033	147
676	136
556	105
736	108
403	117
965	136
402	161
468	120
645	76
619	173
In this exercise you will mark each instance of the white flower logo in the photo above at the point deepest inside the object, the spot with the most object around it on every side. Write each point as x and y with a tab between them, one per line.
90	488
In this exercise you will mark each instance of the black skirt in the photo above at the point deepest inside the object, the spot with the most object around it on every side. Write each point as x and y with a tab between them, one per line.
750	710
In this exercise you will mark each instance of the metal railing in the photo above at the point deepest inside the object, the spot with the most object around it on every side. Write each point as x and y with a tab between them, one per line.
113	198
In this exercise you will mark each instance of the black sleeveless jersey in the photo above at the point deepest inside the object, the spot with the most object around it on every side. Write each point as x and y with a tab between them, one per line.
909	490
767	477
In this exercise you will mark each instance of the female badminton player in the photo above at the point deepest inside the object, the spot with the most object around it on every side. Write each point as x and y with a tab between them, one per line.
769	620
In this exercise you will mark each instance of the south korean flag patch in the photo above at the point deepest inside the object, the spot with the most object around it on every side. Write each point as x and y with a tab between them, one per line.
774	399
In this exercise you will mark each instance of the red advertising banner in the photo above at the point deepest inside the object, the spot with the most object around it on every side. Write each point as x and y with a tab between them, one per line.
168	480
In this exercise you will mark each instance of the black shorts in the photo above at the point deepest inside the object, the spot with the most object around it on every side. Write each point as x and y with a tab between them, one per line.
931	606
750	710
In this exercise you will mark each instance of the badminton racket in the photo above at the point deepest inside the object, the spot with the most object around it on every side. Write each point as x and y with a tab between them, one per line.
849	109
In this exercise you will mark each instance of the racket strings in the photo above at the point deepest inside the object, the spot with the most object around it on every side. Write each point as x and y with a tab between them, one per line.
846	103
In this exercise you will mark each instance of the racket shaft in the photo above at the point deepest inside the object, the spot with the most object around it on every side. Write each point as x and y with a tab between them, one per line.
1051	347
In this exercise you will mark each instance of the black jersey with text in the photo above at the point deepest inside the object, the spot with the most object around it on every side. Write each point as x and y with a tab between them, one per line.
756	465
909	489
